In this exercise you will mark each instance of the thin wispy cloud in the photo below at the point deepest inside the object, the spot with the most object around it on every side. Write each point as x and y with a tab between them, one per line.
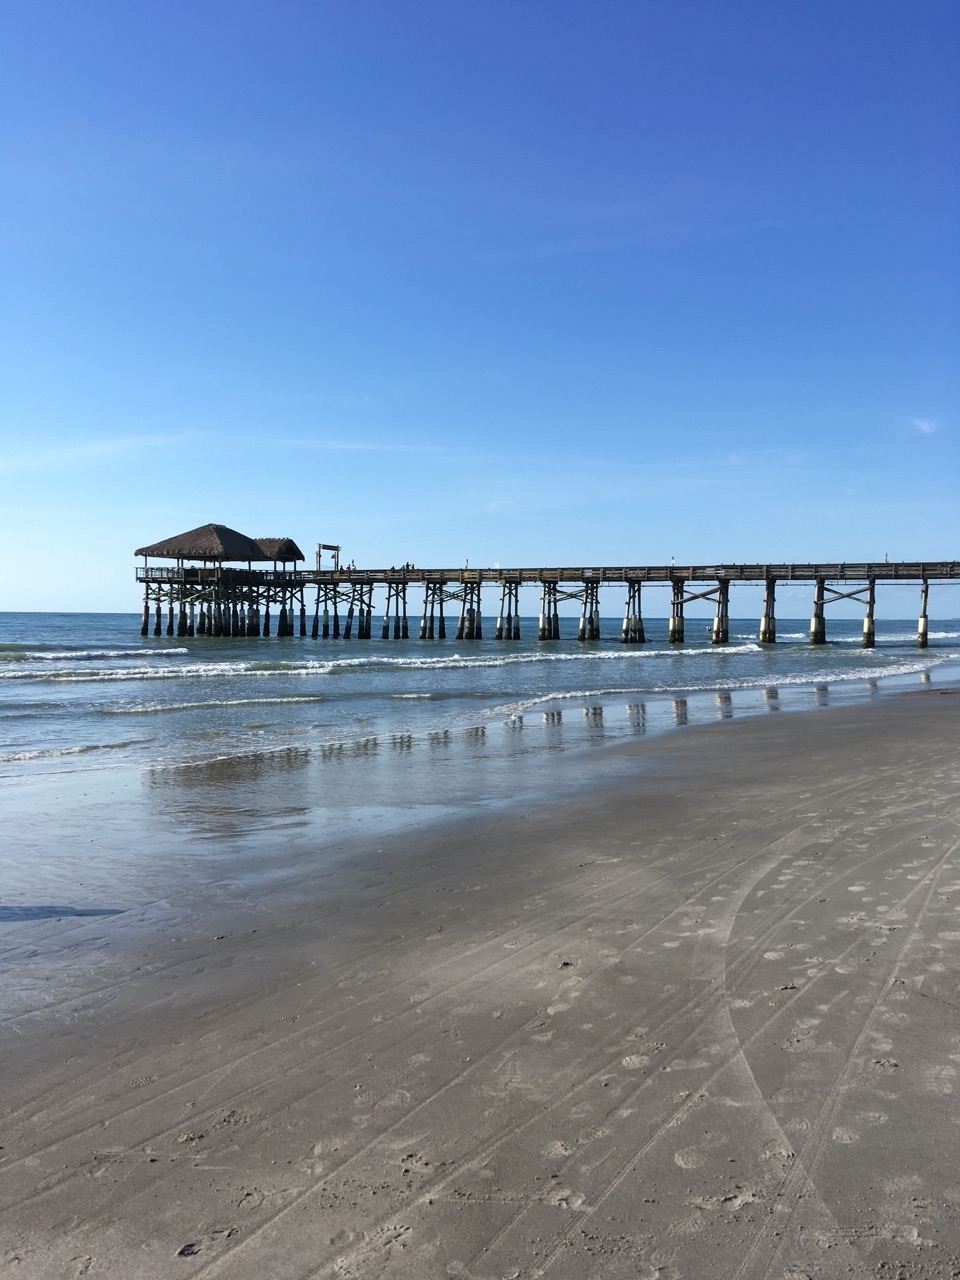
66	457
926	426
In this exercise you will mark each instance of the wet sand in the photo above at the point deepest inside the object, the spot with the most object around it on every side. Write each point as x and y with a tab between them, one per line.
702	1022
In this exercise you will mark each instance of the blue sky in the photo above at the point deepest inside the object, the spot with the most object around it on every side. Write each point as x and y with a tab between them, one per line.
523	283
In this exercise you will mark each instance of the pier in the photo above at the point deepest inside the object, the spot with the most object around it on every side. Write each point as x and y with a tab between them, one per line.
212	588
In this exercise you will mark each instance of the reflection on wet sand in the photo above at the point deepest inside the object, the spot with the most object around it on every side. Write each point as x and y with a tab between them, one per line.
821	695
236	796
228	770
680	711
725	704
771	699
637	716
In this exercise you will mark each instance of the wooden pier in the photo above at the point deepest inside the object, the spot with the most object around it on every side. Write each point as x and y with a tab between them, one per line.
213	589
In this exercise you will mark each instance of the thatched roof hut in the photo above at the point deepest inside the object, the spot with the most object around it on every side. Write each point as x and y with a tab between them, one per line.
280	549
209	542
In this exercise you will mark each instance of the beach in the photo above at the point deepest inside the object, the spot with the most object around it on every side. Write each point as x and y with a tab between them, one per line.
699	1019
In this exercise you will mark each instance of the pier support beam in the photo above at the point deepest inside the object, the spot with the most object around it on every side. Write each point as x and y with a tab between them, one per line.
632	629
922	623
721	620
470	626
508	619
397	596
145	622
548	607
426	631
675	629
818	623
869	632
589	628
768	623
303	618
432	624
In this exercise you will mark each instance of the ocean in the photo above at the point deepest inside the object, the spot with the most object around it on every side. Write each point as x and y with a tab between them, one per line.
134	769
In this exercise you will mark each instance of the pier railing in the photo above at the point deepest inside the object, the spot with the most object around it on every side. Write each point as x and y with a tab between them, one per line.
882	571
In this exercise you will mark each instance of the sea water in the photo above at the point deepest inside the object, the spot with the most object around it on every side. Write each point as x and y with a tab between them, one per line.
130	765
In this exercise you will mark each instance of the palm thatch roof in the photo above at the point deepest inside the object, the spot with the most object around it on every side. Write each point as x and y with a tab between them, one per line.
280	549
209	542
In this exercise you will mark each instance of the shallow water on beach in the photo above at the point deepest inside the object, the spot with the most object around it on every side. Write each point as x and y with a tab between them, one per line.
130	764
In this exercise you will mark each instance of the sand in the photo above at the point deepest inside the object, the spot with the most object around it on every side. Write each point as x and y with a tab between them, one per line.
702	1022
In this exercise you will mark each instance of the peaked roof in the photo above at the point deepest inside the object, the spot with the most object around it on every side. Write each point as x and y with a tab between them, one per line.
280	549
209	542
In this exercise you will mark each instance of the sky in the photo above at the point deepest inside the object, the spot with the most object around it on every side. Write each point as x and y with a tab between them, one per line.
514	283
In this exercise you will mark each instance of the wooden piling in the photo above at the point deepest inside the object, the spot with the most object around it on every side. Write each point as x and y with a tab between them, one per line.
869	631
721	621
632	631
818	623
922	623
675	629
145	621
768	622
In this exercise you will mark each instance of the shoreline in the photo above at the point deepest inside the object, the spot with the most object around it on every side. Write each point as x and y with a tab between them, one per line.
692	1017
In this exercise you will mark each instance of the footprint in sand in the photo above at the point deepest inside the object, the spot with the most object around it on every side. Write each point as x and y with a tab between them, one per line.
845	1135
689	1158
940	1079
